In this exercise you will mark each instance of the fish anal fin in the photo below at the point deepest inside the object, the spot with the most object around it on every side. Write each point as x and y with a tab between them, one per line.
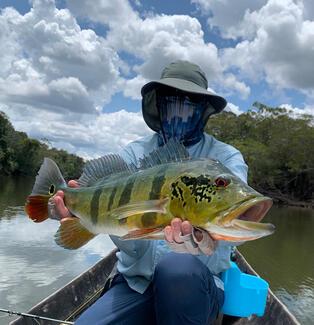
152	233
127	210
72	234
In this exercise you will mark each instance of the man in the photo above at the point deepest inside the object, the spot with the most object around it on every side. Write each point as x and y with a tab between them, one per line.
155	284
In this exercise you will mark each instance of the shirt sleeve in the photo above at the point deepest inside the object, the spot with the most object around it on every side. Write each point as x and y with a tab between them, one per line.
237	165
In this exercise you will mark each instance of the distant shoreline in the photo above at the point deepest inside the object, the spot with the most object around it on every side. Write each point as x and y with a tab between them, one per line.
284	200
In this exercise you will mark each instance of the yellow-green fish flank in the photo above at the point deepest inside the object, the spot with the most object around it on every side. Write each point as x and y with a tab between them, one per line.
138	203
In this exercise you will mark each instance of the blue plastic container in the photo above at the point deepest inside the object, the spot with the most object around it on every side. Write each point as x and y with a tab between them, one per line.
245	294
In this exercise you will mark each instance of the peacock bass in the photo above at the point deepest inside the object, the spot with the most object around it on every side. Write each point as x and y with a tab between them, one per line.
138	202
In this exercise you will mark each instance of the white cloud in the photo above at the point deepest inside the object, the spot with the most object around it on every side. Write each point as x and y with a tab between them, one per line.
161	39
53	63
296	112
80	134
112	13
230	81
233	109
26	86
228	15
155	40
132	87
281	50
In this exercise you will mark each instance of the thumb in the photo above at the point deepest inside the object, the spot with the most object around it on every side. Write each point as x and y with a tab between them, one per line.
61	208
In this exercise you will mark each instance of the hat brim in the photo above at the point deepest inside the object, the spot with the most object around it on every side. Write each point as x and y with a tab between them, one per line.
218	102
149	108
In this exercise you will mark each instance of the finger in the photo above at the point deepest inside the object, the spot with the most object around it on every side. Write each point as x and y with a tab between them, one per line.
67	218
60	194
61	208
186	228
168	234
207	245
73	183
176	229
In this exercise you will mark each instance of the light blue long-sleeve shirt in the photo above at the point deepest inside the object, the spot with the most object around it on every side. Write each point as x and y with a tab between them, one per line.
137	259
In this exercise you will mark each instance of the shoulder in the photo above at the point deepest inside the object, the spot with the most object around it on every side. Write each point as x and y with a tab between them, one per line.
139	148
219	148
228	155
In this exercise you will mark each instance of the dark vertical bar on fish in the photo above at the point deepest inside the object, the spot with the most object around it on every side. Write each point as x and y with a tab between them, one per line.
127	191
111	198
148	219
94	205
157	184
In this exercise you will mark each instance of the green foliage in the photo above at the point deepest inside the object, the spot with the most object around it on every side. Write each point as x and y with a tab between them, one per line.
278	149
22	155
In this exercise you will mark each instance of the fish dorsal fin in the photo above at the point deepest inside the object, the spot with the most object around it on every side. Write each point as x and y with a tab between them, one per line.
172	151
99	168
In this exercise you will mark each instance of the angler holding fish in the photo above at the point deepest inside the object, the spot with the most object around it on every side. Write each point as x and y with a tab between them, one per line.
178	191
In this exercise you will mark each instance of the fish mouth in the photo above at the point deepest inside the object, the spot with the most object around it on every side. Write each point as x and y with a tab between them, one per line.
242	222
253	209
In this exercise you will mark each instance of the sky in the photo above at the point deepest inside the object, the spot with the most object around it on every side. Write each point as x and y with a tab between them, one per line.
71	71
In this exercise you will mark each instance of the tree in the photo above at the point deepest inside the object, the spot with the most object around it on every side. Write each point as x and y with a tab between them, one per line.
278	149
22	155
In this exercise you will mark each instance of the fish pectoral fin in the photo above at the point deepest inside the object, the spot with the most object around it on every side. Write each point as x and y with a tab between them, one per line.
131	209
72	234
153	233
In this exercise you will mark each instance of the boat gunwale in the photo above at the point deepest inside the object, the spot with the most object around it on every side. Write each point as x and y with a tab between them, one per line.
92	289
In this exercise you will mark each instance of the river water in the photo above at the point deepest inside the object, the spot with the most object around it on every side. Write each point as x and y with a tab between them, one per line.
32	266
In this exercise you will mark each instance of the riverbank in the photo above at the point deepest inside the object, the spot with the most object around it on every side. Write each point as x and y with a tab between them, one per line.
284	200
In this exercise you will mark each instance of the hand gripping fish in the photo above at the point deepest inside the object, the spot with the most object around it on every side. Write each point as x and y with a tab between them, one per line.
138	202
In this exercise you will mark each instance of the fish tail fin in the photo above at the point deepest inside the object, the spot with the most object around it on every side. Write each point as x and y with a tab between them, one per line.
72	234
48	181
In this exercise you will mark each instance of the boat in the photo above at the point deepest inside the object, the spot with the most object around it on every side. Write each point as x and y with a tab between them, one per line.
70	301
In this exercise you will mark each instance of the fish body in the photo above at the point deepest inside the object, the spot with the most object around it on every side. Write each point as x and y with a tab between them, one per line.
139	203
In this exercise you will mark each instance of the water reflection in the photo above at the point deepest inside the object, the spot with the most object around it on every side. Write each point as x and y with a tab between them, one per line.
32	266
13	191
285	259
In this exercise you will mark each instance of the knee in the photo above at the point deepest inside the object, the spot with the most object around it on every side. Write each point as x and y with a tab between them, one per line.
180	271
178	265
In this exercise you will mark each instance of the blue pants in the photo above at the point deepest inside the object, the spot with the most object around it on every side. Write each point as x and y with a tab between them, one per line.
182	292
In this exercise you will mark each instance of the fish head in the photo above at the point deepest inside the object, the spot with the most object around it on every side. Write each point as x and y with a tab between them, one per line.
216	200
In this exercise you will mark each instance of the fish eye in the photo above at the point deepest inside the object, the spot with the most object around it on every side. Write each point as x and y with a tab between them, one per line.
52	189
222	181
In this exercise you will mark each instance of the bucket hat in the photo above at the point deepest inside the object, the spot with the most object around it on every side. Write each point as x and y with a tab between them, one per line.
184	76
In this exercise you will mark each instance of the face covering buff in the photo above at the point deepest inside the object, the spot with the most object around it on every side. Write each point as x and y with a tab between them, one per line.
181	119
